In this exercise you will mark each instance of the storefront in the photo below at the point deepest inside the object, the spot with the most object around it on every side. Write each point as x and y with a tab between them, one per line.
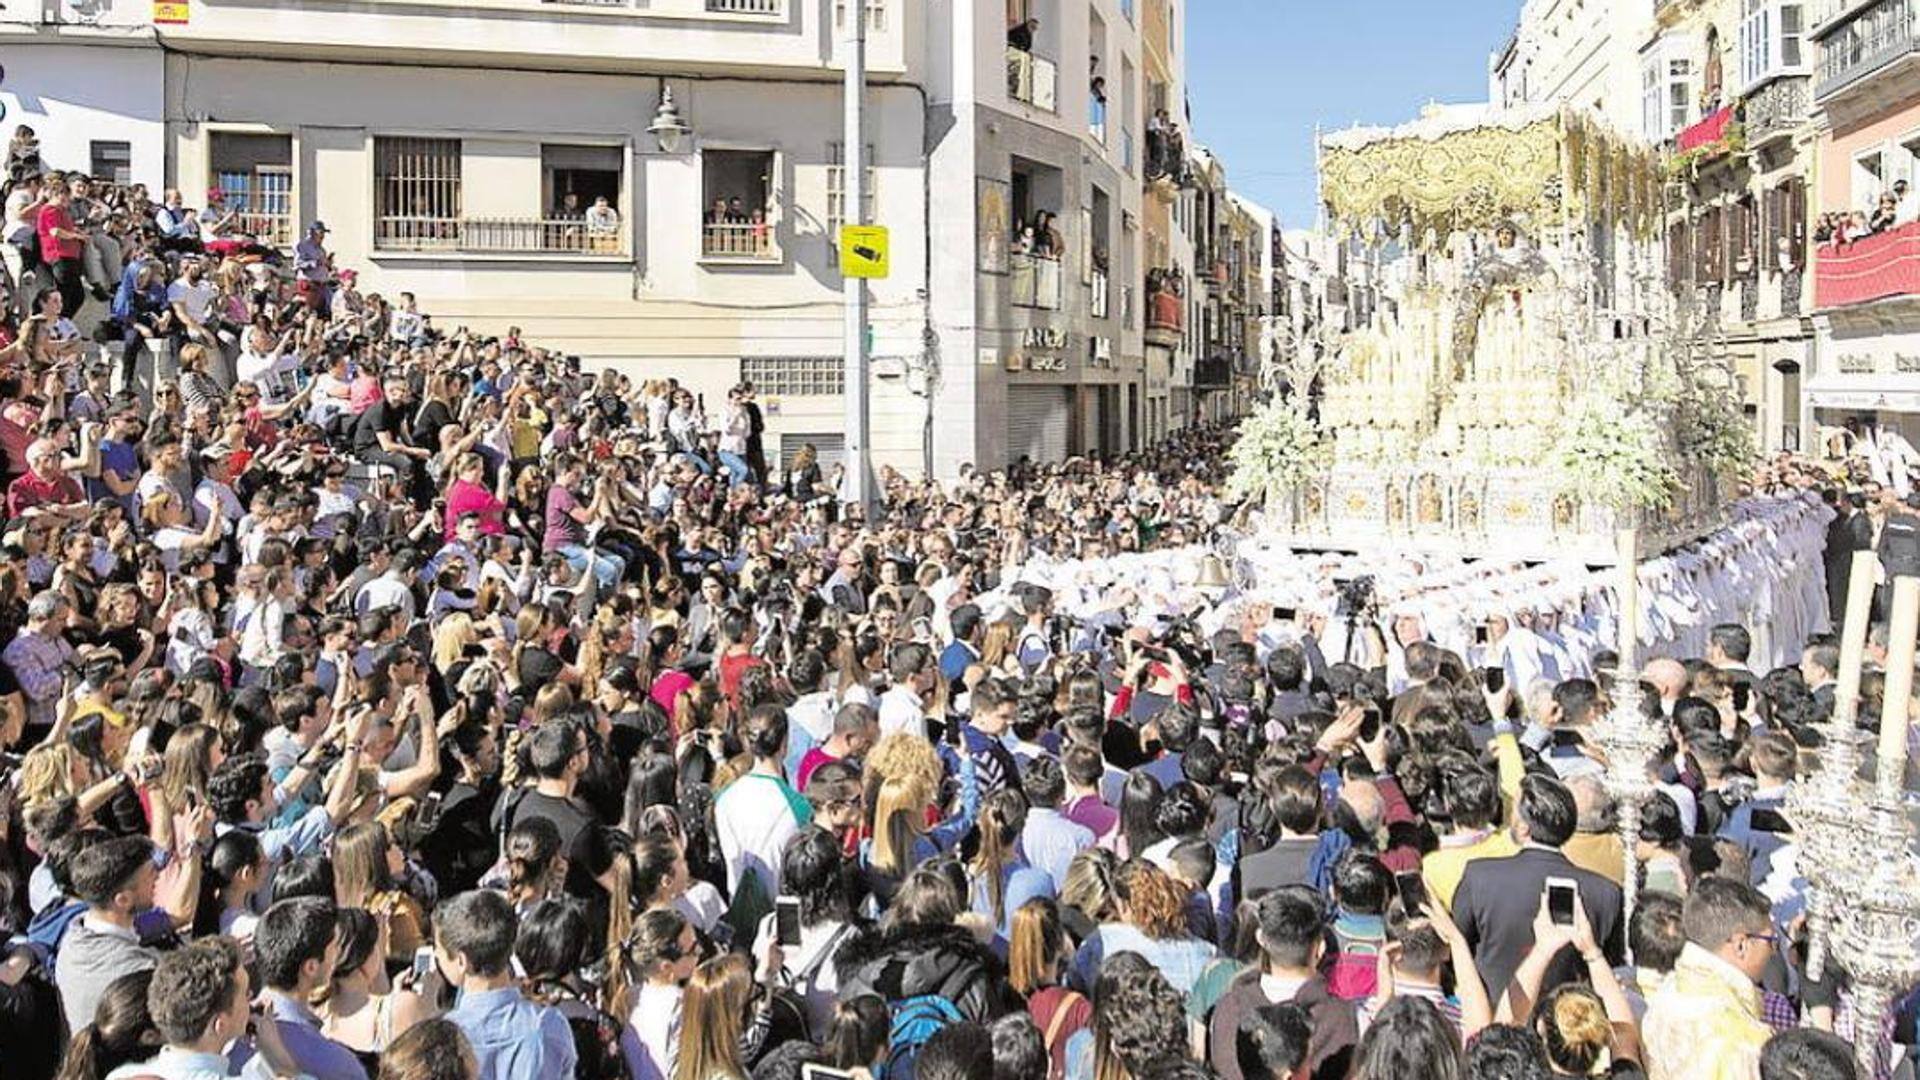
1867	376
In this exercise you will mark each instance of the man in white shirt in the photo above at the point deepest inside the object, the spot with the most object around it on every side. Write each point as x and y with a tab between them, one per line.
389	590
191	297
407	325
270	365
214	496
903	707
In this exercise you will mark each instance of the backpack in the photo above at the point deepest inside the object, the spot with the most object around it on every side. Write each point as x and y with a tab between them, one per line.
50	926
916	1020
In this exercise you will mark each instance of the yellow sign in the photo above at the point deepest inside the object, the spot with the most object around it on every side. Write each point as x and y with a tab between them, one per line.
863	251
170	12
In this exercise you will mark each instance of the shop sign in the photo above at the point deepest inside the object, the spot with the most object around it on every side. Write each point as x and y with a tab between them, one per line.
1046	337
170	12
1855	364
1047	363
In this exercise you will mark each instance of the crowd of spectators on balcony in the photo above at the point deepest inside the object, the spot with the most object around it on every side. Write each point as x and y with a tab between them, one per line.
1166	149
1041	237
1895	207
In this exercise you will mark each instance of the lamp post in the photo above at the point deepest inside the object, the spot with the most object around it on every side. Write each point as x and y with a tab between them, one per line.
858	488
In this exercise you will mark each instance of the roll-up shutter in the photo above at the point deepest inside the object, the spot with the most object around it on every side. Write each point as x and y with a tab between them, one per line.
1037	422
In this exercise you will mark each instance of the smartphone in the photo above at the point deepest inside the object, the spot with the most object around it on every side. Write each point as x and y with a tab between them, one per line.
423	963
1496	679
811	1071
1285	614
786	920
1768	820
1480	634
1560	900
1742	694
1413	892
1370	726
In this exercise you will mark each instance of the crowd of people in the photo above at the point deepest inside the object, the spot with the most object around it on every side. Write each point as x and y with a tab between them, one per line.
381	700
1895	207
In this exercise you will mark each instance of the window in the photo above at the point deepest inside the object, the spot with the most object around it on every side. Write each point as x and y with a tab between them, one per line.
737	223
830	446
254	173
837	194
111	161
573	180
795	376
416	193
1869	178
1772	39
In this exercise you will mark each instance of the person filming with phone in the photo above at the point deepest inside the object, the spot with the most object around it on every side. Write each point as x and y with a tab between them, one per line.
1494	904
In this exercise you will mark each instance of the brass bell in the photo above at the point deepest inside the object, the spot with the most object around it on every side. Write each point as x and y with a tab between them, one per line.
1213	574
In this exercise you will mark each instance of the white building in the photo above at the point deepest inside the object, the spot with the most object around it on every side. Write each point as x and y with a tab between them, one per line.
442	145
1583	53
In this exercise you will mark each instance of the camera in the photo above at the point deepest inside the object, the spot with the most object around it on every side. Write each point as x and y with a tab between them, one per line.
1355	598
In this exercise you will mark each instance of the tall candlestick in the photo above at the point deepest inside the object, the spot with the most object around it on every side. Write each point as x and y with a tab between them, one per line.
1853	634
1899	685
1629	544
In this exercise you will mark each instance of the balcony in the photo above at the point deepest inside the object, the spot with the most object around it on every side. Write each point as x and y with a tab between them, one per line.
1706	135
273	230
751	242
1097	119
1876	267
1872	38
1778	109
1032	79
1166	309
496	236
1036	281
1212	373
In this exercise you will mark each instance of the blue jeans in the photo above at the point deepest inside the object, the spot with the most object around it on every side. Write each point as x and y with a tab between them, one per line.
736	467
607	568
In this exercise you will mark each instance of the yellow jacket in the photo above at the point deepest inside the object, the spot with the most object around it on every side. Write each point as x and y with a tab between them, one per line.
1704	1024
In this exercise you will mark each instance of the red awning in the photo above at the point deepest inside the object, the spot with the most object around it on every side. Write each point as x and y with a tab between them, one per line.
1870	268
1710	130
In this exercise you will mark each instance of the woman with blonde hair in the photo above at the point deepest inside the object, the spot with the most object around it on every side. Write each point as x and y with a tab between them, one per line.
366	863
450	640
903	777
1090	895
1153	923
996	648
710	1021
166	522
189	760
1037	955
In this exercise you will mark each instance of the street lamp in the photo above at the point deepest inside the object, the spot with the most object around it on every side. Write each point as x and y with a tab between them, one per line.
668	128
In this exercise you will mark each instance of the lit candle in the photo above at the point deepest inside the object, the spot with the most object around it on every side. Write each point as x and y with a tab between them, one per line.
1629	542
1853	635
1899	685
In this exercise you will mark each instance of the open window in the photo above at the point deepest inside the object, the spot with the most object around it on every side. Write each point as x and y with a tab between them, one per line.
254	173
737	222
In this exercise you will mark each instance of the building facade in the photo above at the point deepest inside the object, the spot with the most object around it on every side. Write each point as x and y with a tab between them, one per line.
1866	94
1729	94
1582	53
1035	214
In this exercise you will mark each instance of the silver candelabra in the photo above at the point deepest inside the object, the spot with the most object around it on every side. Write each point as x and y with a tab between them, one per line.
1878	919
1631	739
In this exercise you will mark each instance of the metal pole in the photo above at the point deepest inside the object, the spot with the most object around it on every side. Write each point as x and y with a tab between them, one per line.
859	478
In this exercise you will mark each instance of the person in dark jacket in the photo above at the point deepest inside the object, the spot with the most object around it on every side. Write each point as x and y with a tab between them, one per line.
1498	898
918	951
1900	546
1849	531
1292	944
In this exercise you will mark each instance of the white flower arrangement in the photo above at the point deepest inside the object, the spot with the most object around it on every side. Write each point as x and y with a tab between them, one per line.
1278	448
1615	454
1713	430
